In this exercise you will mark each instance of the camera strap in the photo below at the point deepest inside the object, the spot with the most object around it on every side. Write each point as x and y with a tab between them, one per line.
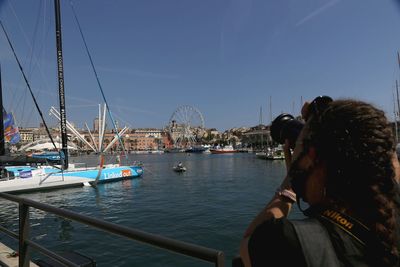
350	225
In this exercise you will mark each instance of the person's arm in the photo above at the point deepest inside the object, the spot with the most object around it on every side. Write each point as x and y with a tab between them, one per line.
279	206
396	167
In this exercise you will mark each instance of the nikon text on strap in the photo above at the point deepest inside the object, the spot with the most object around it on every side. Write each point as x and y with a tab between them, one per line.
350	225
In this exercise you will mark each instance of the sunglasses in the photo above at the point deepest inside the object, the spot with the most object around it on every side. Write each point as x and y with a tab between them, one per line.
318	106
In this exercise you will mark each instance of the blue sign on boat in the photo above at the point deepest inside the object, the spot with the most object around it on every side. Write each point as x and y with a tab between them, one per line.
25	174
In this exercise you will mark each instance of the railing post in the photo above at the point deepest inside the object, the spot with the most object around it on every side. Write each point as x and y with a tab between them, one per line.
220	259
24	253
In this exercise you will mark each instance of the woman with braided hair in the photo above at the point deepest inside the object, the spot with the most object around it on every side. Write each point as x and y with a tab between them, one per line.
345	167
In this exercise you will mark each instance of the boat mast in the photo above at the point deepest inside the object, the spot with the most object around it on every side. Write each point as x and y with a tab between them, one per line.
60	72
261	129
270	109
2	146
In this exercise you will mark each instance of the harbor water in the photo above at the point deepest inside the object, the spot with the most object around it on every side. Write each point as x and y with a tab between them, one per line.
209	205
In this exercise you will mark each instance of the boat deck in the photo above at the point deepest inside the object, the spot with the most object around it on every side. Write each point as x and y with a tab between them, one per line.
37	184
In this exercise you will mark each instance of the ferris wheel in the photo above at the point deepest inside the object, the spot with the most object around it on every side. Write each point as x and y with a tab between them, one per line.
186	125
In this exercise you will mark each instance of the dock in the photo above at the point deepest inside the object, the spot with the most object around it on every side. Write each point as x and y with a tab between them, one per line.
9	258
25	185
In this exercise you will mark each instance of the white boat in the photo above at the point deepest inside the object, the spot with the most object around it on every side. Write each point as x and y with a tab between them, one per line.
271	154
223	150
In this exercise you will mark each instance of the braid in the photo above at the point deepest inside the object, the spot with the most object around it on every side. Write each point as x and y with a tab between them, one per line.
356	141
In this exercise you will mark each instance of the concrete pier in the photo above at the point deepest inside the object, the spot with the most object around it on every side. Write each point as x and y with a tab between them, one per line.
21	185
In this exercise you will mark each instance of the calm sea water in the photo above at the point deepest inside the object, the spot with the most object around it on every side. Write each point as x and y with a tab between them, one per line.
210	205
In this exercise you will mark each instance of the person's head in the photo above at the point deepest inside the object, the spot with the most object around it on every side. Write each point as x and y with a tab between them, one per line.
345	155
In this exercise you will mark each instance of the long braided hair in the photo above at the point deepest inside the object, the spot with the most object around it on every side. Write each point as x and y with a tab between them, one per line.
356	142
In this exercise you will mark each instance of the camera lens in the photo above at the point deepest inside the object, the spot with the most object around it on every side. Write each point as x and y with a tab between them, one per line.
285	126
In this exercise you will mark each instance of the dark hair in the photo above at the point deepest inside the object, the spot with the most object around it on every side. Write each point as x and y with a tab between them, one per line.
356	142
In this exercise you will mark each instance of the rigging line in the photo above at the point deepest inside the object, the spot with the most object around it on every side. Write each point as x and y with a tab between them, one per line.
23	106
13	95
28	85
20	27
28	42
26	39
18	104
98	81
36	27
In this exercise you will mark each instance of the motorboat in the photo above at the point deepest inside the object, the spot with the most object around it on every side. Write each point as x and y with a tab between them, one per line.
195	149
179	168
223	150
271	154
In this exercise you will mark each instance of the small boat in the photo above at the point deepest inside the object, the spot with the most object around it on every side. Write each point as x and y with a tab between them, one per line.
272	154
179	168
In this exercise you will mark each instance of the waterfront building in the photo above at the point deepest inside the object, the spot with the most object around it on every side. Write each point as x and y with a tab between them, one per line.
27	135
145	139
149	132
258	136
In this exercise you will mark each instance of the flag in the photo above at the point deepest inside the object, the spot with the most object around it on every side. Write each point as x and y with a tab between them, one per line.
11	132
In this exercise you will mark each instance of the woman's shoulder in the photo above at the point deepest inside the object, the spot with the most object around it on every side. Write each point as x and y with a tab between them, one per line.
279	228
275	239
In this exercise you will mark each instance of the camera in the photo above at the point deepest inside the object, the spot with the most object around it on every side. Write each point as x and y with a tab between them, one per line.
285	126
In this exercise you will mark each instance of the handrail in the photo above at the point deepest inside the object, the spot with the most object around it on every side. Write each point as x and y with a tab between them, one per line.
180	247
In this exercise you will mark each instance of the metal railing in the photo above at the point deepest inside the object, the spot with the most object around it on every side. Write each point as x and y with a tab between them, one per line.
25	244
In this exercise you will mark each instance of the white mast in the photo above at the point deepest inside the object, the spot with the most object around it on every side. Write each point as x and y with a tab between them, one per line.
91	137
116	137
99	127
103	126
54	111
261	129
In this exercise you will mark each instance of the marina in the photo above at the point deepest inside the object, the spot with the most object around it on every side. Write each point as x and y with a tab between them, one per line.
147	151
208	205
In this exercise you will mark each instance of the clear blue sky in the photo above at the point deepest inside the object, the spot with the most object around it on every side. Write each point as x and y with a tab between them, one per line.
225	57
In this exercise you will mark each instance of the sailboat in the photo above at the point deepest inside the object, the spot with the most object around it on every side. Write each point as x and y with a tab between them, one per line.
269	153
31	178
263	153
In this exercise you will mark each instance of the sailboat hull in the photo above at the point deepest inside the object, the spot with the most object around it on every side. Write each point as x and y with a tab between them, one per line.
108	174
30	179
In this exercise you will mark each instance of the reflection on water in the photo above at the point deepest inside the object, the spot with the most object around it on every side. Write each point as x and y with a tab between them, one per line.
65	229
210	205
